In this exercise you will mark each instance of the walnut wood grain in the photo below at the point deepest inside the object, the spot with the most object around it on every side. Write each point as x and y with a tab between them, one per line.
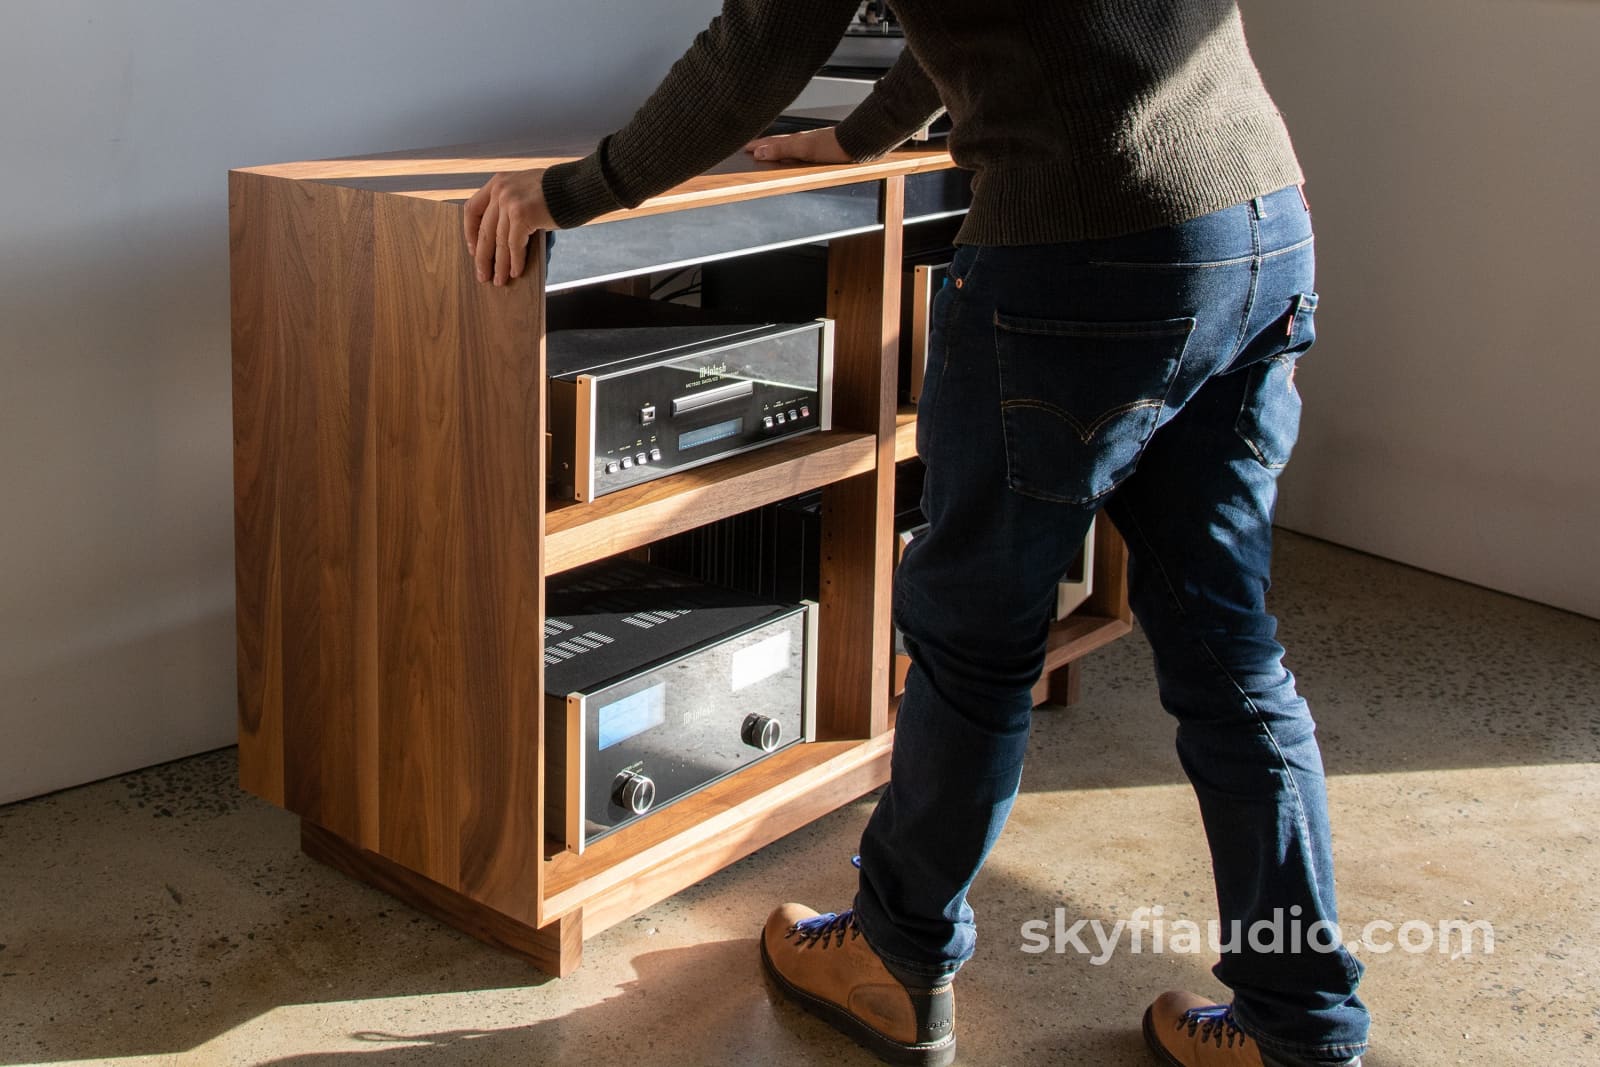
265	290
858	513
1110	596
454	173
500	618
905	434
556	948
330	456
386	412
1065	686
576	534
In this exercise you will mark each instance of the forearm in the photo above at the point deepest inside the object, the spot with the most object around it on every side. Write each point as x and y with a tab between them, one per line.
902	102
739	74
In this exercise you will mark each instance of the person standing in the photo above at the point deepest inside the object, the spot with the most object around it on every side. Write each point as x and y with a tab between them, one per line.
1131	292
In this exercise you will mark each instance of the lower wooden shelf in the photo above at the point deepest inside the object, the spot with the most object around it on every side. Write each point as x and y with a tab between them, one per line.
645	863
1078	635
905	433
703	833
1070	640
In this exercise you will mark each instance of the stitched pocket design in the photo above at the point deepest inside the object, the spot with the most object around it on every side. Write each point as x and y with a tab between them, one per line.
1269	416
1080	400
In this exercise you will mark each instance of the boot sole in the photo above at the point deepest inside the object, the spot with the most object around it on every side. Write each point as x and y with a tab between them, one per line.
936	1054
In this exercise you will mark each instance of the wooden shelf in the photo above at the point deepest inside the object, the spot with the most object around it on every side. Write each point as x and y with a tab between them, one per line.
576	534
704	832
905	433
1078	635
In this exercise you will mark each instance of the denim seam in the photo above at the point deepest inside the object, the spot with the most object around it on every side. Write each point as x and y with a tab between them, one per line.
1050	498
1085	433
1101	330
952	311
1250	297
1245	403
1299	800
1159	405
1203	264
1255	710
1297	246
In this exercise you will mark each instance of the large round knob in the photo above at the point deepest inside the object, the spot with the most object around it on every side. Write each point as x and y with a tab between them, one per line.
761	732
633	792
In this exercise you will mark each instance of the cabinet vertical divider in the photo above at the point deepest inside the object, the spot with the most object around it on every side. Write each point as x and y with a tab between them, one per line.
858	513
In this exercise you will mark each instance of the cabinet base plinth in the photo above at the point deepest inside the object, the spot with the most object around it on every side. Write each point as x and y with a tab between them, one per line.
556	949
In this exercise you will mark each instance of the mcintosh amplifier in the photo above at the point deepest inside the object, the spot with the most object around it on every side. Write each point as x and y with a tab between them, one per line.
657	685
629	404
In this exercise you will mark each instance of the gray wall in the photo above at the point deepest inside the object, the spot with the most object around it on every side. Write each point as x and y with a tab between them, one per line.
118	123
1452	150
1451	145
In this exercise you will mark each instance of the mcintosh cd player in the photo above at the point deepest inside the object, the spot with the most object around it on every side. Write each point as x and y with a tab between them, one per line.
633	403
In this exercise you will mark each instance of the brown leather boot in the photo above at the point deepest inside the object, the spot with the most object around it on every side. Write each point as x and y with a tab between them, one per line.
1184	1030
822	963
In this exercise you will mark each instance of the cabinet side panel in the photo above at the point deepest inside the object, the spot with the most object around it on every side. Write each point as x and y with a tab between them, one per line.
417	350
501	614
271	230
856	638
327	463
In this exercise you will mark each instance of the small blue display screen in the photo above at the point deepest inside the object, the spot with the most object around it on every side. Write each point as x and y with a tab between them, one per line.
633	715
706	434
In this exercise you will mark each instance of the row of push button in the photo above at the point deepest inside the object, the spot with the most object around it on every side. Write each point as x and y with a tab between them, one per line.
794	415
629	462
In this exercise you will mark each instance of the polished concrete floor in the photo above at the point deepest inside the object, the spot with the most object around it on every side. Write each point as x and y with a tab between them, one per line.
165	918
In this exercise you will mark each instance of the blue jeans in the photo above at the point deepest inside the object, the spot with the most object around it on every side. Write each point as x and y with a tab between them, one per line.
1151	375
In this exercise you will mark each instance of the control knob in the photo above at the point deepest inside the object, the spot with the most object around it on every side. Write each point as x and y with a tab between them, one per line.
760	731
633	792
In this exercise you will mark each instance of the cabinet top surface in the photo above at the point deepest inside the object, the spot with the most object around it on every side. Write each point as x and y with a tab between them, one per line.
455	172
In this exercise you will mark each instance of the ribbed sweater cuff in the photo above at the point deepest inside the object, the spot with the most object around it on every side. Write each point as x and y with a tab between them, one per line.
868	133
577	192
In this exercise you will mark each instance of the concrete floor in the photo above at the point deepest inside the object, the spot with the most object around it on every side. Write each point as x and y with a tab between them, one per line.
165	918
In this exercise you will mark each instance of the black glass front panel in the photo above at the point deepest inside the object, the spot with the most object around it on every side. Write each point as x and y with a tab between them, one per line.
665	399
937	193
631	246
682	726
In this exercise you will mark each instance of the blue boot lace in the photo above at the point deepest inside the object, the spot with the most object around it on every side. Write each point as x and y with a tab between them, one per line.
1214	1022
820	929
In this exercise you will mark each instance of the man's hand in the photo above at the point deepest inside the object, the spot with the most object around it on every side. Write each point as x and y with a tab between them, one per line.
500	219
808	146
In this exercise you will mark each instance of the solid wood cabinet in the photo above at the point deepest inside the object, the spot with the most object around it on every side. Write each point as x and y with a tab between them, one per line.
393	533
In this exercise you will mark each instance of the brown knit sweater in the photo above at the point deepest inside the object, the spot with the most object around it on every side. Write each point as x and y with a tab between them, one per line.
1079	118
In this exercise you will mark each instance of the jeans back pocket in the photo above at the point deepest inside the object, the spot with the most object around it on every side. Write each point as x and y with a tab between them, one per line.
1269	416
1080	400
